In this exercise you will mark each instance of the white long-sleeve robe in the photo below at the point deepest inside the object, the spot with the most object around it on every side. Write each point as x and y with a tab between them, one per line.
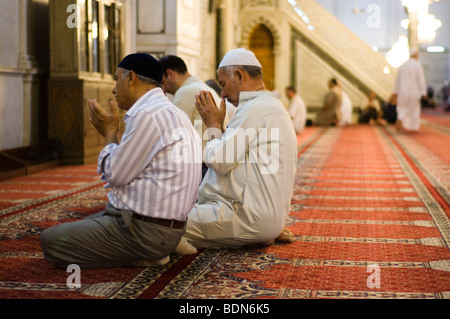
245	197
184	99
297	111
346	110
410	86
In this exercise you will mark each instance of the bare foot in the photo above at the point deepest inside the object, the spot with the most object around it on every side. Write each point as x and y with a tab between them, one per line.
402	129
285	236
149	263
184	248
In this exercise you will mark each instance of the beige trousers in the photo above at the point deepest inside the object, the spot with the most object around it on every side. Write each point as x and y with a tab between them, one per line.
112	238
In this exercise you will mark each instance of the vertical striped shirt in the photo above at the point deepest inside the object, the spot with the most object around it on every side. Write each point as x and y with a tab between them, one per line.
155	171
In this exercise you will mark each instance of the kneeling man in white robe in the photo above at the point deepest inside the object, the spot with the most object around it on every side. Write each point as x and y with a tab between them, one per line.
245	197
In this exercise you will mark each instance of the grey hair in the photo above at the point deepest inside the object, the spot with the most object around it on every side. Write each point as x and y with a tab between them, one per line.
254	71
143	79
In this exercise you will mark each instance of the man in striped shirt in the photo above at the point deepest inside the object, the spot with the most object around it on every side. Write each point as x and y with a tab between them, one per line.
153	173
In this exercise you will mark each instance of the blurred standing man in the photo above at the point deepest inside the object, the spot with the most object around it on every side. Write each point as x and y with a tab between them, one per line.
410	87
297	110
245	197
152	188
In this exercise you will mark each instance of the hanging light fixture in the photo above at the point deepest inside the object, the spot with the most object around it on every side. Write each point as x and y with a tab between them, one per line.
427	28
399	52
426	23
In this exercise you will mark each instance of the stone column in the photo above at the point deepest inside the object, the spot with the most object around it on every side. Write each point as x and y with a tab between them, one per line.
26	46
413	32
28	64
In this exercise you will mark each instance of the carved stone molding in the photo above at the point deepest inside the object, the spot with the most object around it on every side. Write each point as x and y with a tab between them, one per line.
248	28
258	3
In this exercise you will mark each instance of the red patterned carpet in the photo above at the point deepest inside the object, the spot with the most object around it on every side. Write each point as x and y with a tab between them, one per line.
370	214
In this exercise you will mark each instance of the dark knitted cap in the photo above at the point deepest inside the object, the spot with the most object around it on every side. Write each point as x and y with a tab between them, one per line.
143	64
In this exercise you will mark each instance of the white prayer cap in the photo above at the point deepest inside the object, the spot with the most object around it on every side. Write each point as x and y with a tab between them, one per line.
240	57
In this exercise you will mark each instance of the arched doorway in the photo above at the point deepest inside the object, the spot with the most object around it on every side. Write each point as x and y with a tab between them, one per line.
261	42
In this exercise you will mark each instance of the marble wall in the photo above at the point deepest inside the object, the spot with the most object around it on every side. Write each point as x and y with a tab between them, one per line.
11	78
23	65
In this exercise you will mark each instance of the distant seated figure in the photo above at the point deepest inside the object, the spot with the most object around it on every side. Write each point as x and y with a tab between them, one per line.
372	111
330	112
445	94
297	110
390	110
429	102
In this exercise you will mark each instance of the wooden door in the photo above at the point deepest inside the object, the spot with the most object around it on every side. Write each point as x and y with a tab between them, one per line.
261	42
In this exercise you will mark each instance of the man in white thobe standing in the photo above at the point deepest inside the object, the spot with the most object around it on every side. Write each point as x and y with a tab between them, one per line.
410	86
245	197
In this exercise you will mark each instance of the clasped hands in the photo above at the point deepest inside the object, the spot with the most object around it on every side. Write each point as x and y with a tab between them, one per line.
107	125
212	116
